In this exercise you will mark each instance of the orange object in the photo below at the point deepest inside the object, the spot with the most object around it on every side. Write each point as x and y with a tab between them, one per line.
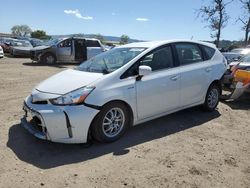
242	76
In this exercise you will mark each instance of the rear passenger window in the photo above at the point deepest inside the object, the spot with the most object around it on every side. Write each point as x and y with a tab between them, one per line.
92	43
188	53
159	59
209	52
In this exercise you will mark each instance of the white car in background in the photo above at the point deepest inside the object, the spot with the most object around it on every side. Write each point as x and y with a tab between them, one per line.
122	87
1	52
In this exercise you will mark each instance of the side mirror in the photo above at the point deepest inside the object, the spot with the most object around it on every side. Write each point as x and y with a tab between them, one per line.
144	70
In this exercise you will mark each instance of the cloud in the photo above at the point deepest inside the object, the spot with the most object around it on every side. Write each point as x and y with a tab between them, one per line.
142	19
113	13
78	14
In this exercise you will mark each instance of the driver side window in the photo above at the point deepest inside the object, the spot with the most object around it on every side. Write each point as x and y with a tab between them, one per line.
159	59
65	43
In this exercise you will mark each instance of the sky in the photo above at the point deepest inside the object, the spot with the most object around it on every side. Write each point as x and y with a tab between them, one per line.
139	19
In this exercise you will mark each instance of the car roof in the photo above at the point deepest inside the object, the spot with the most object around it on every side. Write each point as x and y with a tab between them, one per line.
64	38
152	44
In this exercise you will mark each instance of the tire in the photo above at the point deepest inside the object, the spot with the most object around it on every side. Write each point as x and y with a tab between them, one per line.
49	58
111	122
212	98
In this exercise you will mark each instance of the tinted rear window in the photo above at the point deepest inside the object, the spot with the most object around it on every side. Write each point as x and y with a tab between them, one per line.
92	43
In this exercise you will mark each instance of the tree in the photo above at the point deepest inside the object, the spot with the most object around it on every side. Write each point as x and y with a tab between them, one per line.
124	39
39	34
21	30
216	16
99	37
245	20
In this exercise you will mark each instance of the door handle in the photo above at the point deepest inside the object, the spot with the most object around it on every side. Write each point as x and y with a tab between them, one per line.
208	69
174	78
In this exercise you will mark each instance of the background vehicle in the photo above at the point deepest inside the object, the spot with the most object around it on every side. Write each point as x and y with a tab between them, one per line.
232	56
242	51
20	48
1	52
231	82
124	86
67	50
5	44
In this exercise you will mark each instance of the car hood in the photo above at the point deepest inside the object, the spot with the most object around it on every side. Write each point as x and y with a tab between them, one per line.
22	48
41	47
67	81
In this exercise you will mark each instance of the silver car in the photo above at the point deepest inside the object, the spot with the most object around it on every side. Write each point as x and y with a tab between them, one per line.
20	48
73	49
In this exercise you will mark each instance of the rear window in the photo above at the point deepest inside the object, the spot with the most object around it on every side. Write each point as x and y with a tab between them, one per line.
92	43
209	52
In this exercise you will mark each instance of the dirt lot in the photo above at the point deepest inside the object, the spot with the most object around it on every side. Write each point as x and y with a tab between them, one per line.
186	149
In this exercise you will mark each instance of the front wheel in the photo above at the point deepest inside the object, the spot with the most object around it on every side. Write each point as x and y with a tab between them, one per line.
212	98
111	123
49	58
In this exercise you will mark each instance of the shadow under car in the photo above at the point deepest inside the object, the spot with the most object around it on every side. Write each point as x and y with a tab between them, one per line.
46	155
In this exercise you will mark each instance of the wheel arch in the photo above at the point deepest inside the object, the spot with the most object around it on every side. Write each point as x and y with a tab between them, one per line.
48	52
217	83
131	115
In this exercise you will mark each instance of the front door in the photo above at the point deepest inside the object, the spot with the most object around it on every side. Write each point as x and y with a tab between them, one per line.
64	51
158	92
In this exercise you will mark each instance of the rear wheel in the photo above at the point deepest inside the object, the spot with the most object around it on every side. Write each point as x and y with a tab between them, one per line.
212	98
49	58
111	123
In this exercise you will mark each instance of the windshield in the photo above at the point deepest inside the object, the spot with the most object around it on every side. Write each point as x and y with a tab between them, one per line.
110	61
21	43
245	59
52	42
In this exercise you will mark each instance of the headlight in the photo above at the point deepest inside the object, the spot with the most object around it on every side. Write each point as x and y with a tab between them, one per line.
74	97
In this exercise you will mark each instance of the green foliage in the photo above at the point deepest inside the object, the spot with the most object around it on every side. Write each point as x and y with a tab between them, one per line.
40	34
124	39
21	30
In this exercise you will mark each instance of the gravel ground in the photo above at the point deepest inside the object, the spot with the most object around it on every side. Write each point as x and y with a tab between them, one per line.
186	149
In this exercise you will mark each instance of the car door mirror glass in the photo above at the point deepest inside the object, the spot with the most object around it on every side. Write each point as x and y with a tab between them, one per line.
144	70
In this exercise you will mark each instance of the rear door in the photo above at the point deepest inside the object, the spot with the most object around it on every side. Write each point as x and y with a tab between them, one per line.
93	48
64	51
195	73
158	92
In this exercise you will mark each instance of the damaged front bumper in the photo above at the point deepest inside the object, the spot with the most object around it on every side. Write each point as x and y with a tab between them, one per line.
236	84
63	124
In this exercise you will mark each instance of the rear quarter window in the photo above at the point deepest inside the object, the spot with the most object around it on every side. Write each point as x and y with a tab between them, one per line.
209	52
